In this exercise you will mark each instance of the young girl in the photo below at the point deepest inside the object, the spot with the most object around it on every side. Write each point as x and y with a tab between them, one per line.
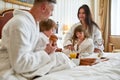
83	45
81	42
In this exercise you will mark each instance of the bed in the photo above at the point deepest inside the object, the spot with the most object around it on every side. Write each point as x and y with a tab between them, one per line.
107	70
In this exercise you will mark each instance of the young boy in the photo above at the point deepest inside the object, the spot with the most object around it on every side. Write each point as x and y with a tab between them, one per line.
46	36
46	30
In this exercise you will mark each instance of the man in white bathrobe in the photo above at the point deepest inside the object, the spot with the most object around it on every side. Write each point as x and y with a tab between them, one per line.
19	38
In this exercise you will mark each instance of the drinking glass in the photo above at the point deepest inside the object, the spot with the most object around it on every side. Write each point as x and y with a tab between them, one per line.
99	43
73	54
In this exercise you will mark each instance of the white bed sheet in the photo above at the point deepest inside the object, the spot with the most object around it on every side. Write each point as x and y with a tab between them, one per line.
108	70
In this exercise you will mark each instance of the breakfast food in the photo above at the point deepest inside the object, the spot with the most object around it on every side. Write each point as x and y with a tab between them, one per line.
88	61
53	38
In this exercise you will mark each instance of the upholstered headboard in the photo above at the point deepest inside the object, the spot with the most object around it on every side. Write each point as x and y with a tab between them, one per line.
4	17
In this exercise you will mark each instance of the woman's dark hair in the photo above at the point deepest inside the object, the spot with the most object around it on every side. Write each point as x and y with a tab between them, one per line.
88	19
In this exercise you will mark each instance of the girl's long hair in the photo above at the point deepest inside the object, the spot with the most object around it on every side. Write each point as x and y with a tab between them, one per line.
79	28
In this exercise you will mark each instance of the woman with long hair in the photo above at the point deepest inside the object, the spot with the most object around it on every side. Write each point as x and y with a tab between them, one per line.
85	18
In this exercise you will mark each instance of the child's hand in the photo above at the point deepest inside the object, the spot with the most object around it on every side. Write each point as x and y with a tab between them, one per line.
70	47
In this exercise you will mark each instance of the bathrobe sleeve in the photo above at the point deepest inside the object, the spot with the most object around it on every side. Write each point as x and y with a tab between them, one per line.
86	47
22	39
97	35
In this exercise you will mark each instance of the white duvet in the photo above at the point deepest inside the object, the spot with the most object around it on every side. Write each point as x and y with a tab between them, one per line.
108	70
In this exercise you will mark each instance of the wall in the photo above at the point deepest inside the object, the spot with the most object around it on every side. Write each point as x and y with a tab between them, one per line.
65	12
5	5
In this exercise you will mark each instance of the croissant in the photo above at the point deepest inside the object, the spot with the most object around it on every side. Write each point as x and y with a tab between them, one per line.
53	38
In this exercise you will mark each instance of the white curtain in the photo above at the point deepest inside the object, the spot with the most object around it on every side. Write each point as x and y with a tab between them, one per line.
65	11
115	17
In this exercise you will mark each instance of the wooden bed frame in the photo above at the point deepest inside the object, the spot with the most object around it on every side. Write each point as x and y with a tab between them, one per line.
4	17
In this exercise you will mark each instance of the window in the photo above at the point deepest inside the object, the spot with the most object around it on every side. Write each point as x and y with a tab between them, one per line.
115	17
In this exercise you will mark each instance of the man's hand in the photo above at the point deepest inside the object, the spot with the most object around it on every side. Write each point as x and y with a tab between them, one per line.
50	49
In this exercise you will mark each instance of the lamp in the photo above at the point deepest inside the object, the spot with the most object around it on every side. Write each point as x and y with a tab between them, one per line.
65	28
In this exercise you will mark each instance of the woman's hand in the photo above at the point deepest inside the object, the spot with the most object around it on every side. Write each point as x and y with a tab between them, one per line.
70	47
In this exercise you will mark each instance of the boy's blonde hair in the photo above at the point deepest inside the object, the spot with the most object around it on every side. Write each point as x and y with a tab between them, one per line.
47	25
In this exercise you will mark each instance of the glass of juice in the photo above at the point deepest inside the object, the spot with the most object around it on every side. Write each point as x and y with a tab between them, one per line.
73	54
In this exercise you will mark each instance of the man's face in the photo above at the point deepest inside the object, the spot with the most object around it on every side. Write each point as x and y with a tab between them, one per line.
49	7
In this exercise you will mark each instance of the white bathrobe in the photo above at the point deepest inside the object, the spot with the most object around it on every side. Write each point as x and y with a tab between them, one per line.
42	41
85	49
61	59
95	36
18	45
